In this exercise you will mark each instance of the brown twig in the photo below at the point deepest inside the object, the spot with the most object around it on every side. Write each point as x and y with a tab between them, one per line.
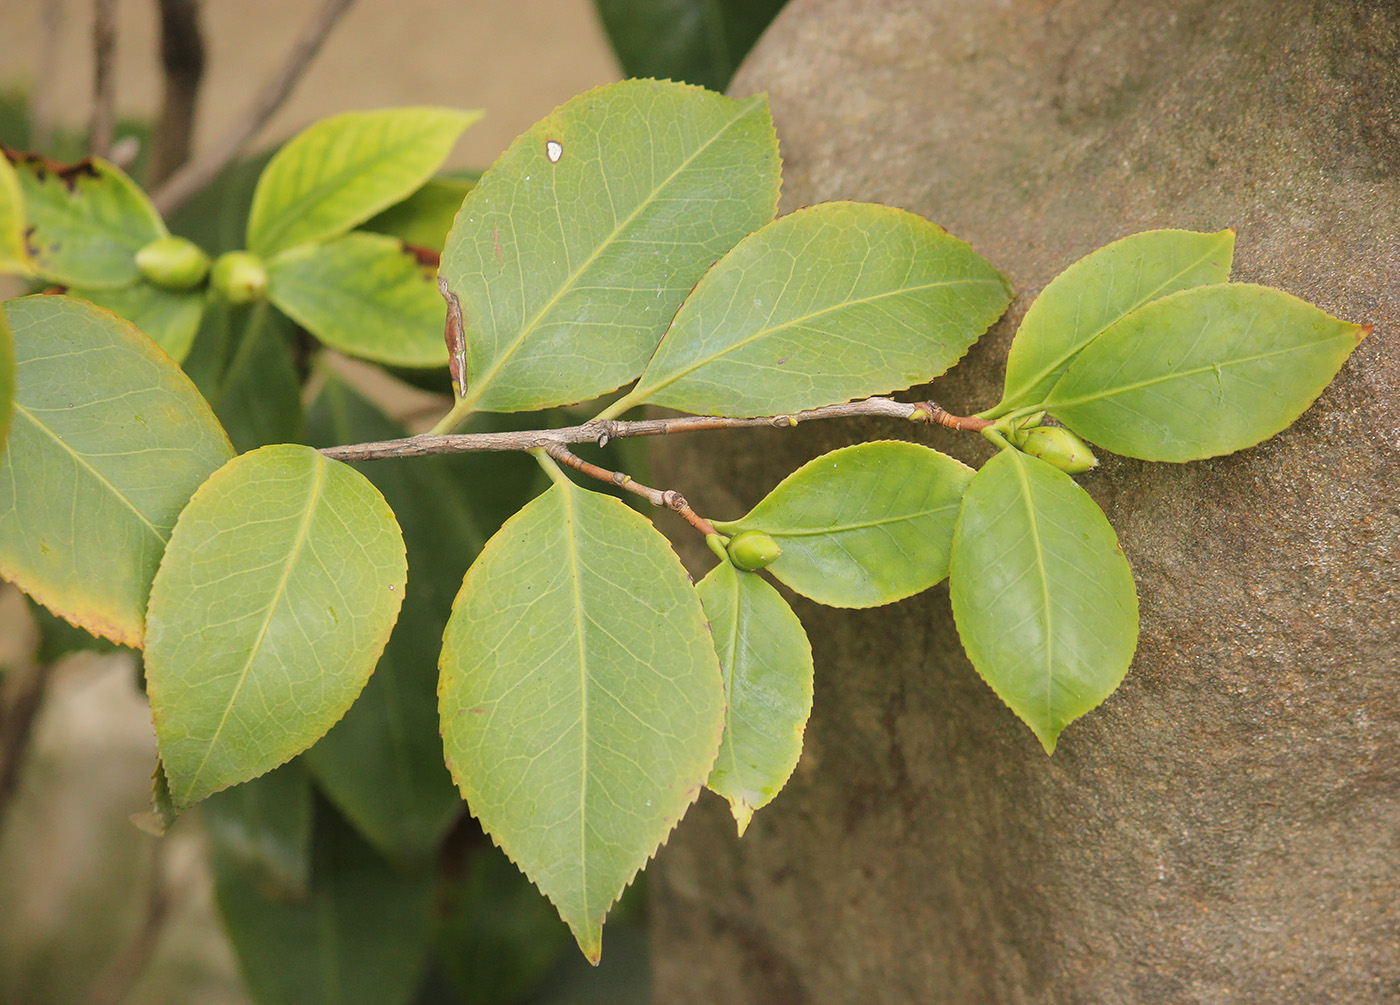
963	423
104	91
27	686
125	969
669	498
182	62
600	431
202	170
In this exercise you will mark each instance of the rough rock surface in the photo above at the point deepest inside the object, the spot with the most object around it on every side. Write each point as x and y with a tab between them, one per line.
1226	828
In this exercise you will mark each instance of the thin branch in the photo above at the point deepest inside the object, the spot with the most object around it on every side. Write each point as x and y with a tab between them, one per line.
27	686
201	171
600	431
123	971
669	498
104	91
182	62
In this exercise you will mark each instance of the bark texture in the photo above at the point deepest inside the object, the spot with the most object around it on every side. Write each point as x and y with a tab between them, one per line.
1226	828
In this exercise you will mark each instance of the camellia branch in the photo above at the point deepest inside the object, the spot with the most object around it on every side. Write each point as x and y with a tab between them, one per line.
182	60
199	172
669	498
600	431
104	96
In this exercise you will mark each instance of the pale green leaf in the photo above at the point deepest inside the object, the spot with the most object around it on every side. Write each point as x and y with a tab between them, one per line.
14	257
278	590
1095	292
109	441
1203	372
864	525
581	699
7	380
264	826
767	665
1043	598
838	301
344	169
86	221
366	295
425	217
169	318
359	936
573	252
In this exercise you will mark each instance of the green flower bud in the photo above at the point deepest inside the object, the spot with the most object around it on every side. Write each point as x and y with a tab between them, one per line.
752	549
1059	447
240	277
173	263
1017	433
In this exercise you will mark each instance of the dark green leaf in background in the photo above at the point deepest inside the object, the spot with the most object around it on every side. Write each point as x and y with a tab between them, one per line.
425	217
572	253
767	665
1202	372
346	168
169	318
108	442
263	828
86	220
839	301
366	295
864	525
1095	292
581	699
1042	595
698	41
272	605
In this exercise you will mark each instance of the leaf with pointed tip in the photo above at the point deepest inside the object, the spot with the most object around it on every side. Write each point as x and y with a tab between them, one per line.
573	252
276	595
344	169
581	699
364	294
14	256
1043	598
864	525
838	301
767	665
1082	302
169	318
86	221
359	936
109	441
1203	372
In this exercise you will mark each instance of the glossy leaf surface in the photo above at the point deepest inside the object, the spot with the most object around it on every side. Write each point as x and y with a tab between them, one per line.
86	220
572	253
168	318
1202	372
344	169
365	295
767	665
358	937
108	442
1042	595
13	255
278	590
839	301
382	764
581	700
698	41
1095	292
864	525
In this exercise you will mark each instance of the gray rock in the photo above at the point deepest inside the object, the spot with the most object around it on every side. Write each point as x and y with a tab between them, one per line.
1226	828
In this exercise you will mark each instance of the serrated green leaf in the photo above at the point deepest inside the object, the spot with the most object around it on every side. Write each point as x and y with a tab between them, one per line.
276	595
425	217
838	301
86	221
767	665
1043	598
698	41
169	318
581	699
364	294
382	764
14	256
344	169
864	525
573	252
359	937
1082	302
1203	372
263	827
109	441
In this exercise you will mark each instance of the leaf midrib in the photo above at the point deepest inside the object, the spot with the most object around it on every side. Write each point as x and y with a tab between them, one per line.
1044	582
845	527
567	501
